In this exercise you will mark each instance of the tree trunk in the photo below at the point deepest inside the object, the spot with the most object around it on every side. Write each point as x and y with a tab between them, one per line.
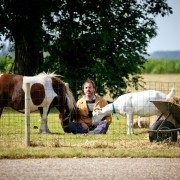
27	56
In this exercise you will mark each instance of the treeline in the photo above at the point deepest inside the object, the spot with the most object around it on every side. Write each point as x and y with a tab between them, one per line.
152	66
162	66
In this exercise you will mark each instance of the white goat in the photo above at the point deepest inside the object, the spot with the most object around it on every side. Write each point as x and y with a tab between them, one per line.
128	105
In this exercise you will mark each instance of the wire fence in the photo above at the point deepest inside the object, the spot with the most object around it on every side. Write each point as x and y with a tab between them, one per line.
12	128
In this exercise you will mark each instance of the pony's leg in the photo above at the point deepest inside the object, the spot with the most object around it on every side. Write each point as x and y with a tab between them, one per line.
44	118
129	123
1	110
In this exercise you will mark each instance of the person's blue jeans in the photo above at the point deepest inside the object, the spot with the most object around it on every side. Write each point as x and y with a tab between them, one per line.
76	128
101	128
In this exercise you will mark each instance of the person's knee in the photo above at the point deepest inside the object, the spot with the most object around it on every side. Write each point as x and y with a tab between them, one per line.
77	128
101	128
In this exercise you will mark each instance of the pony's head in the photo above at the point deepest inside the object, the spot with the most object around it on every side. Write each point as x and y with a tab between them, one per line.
64	102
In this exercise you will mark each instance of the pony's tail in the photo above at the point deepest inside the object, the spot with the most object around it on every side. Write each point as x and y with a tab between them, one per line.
171	93
70	98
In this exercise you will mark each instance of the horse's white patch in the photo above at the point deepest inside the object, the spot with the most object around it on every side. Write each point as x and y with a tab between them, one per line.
46	81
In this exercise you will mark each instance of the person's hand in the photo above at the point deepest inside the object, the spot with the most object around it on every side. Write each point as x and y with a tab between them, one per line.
97	111
85	126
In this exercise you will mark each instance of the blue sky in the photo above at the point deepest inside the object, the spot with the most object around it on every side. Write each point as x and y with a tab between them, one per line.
168	33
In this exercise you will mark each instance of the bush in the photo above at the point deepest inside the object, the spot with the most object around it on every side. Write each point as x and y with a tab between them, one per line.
6	63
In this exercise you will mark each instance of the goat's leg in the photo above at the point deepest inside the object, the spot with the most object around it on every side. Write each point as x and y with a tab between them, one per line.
139	122
44	119
129	123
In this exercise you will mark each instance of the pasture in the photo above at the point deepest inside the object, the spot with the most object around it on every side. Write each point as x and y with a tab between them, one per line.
116	143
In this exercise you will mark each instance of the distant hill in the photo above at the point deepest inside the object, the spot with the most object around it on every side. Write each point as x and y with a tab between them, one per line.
165	54
155	55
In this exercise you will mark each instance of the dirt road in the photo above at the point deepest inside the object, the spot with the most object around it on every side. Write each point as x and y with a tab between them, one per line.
90	168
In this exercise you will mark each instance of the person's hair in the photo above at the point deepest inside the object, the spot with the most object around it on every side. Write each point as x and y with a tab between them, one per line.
88	80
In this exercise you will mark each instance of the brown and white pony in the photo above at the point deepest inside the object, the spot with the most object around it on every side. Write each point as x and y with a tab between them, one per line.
46	91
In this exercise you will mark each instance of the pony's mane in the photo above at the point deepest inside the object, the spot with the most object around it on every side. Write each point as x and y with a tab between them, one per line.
48	74
70	97
69	94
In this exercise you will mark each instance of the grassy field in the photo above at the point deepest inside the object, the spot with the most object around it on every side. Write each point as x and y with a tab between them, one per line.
171	78
58	144
162	66
163	82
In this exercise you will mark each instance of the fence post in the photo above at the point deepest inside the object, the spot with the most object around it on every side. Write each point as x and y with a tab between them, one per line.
27	114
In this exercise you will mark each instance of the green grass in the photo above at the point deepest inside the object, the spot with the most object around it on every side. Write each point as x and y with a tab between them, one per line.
162	66
58	144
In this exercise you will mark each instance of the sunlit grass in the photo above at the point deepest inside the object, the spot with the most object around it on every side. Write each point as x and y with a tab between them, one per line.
59	144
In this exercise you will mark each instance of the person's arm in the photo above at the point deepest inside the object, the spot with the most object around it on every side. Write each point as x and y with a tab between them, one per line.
83	119
108	119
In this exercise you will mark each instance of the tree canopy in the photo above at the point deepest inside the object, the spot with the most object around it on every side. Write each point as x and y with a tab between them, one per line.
102	40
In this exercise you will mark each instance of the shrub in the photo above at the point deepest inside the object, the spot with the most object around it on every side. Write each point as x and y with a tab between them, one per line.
6	63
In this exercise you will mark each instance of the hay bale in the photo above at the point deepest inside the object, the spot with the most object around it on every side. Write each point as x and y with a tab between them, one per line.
175	100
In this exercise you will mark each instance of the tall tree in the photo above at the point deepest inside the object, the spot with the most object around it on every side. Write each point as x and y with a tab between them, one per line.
104	40
22	22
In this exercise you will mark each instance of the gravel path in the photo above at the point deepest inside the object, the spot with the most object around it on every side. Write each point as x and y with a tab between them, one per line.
90	168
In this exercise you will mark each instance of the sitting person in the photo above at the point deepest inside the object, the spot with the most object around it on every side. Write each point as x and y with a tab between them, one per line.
85	106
